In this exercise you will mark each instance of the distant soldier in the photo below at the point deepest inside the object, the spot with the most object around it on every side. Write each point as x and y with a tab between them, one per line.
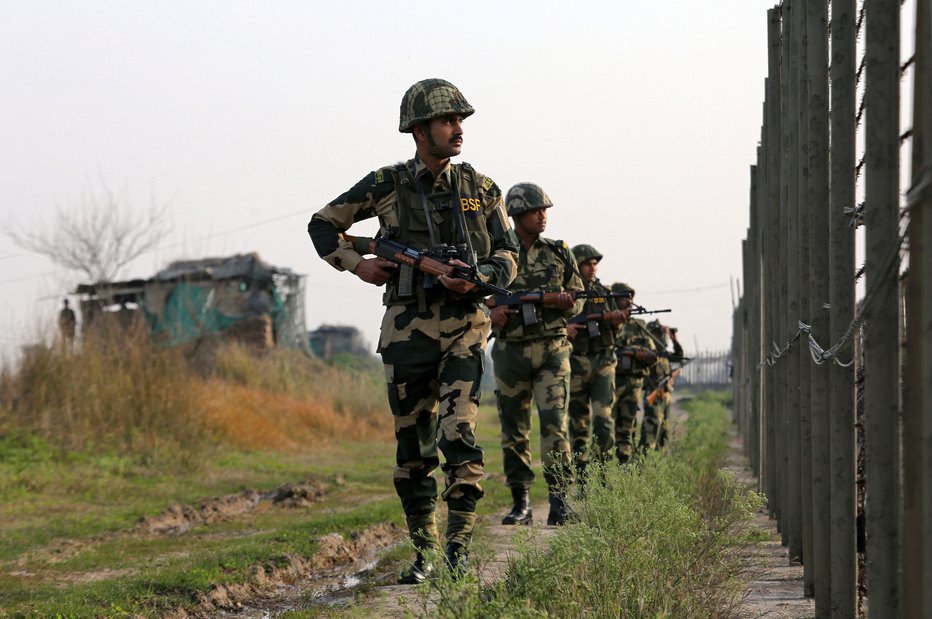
592	385
531	357
67	325
635	351
434	330
656	415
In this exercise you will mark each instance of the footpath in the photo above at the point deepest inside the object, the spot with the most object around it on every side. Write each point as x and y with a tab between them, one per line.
775	589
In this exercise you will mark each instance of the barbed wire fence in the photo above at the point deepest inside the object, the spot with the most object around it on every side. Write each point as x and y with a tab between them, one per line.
846	463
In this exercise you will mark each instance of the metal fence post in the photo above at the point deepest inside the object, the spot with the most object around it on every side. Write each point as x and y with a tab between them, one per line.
842	300
817	70
881	340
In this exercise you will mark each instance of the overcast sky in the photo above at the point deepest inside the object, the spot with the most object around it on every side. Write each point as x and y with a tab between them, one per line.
639	119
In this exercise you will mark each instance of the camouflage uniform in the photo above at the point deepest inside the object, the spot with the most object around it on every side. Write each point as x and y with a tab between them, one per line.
534	362
593	377
629	381
432	340
656	415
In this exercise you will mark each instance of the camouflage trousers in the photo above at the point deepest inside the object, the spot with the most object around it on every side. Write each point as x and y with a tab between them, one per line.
653	432
433	367
592	391
538	369
625	411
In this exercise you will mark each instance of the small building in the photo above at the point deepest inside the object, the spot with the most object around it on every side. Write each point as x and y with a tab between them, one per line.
329	340
240	297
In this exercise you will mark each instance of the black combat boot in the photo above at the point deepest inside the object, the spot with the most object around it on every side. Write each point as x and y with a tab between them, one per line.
521	512
418	572
558	511
457	559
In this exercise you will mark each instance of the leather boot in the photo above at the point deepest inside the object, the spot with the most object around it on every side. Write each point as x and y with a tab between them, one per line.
457	559
417	572
521	512
558	511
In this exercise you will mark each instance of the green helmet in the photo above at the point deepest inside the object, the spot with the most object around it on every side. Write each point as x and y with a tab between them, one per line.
584	253
654	326
429	99
526	197
621	288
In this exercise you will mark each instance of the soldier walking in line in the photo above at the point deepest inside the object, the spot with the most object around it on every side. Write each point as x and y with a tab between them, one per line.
433	334
592	364
656	415
531	356
636	353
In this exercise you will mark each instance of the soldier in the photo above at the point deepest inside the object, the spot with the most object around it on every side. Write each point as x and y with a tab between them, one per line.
67	324
434	331
656	415
592	364
533	360
635	350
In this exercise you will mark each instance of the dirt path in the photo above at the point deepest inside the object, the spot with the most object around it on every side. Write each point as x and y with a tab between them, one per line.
775	590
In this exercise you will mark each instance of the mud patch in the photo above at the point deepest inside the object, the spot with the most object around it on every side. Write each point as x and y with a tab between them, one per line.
180	518
299	495
273	589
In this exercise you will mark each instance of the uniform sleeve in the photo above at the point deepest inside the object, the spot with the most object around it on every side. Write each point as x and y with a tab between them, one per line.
501	267
325	226
572	280
677	351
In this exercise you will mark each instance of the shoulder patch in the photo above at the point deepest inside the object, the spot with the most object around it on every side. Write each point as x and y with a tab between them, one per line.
487	183
379	176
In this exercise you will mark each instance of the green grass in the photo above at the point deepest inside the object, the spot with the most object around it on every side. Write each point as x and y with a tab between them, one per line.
95	500
652	540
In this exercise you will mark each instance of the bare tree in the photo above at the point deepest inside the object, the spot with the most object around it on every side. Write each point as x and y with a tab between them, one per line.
100	237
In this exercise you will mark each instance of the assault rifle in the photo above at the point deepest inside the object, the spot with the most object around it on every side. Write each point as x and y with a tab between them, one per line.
591	321
662	386
434	262
529	298
638	310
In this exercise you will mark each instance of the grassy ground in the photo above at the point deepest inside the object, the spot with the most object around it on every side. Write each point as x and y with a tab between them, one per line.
68	508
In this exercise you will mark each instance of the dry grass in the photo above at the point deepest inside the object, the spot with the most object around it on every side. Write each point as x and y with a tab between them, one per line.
123	394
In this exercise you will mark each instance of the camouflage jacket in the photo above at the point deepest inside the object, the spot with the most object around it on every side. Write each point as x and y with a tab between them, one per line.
548	266
634	337
402	197
596	336
663	366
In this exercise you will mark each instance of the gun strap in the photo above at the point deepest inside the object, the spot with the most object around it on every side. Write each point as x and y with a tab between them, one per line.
459	218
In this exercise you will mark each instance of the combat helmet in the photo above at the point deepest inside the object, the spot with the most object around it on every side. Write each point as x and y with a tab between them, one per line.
584	253
654	326
431	98
622	288
525	197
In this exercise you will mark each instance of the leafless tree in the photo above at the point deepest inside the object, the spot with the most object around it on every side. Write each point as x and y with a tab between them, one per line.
99	237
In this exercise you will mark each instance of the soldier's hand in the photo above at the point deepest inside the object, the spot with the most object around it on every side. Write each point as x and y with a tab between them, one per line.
617	317
455	283
673	331
564	301
647	357
499	315
375	271
572	329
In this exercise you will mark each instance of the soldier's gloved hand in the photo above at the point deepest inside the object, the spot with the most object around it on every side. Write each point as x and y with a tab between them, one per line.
499	315
572	329
454	283
647	357
375	271
564	301
617	317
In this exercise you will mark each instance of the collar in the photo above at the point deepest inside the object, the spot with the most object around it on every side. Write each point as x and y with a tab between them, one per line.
420	168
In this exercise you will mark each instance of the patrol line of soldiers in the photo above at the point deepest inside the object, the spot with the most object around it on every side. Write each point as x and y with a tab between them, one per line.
435	328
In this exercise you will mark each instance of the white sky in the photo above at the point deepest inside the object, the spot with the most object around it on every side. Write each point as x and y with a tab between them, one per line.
640	120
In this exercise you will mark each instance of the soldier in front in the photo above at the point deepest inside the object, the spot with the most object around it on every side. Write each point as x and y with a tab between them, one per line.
531	357
433	334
